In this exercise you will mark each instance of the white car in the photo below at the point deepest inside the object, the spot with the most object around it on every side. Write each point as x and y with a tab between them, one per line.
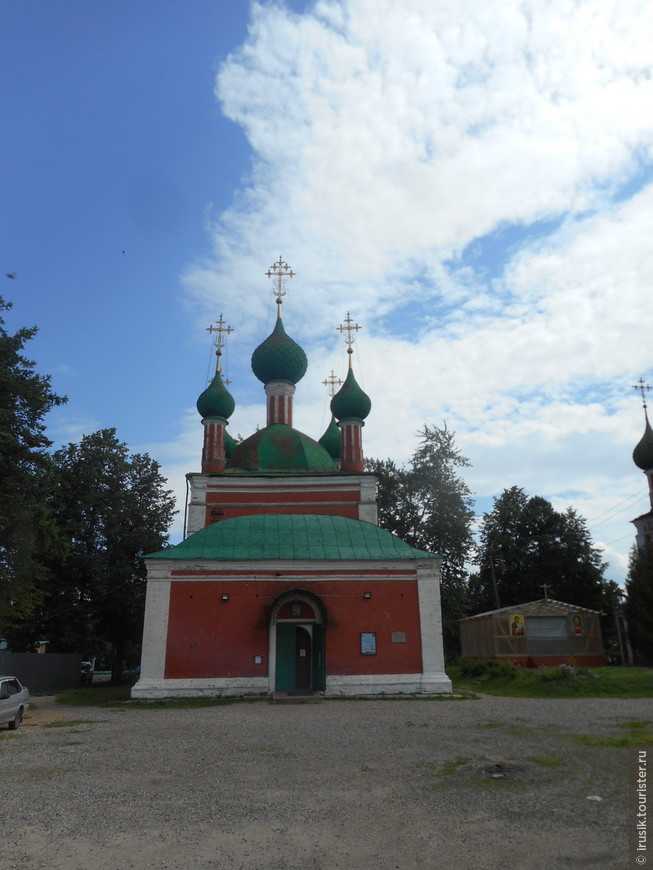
14	700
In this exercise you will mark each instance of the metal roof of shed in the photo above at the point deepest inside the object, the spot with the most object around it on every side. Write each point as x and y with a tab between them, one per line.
540	607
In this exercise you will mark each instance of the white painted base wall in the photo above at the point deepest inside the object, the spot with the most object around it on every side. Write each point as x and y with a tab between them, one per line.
389	684
378	684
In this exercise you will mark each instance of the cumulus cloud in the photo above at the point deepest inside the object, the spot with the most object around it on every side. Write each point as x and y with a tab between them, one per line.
394	140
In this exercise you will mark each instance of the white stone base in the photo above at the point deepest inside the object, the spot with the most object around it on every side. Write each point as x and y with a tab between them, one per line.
389	684
234	687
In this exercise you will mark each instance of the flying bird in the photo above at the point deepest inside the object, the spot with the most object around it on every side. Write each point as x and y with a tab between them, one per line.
11	274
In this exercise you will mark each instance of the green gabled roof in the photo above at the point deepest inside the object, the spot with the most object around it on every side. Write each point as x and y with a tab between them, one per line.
292	536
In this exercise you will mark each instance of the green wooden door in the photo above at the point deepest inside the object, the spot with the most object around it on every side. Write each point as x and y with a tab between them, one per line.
285	665
319	659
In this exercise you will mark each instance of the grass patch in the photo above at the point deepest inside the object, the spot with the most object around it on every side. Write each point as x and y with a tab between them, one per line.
71	723
545	760
606	682
102	695
617	741
450	767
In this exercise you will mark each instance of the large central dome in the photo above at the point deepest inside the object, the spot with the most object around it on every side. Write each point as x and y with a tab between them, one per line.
279	449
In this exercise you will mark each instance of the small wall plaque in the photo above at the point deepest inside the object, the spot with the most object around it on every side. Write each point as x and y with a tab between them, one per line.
398	637
368	643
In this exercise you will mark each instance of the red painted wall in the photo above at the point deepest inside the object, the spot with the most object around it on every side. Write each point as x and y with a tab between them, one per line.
321	500
229	511
209	637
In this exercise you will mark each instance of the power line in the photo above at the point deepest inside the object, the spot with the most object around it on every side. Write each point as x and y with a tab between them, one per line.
615	509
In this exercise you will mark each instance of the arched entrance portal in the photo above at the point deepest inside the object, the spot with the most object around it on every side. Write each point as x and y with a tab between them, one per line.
297	650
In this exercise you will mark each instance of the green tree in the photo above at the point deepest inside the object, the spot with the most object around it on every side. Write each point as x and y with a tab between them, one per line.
26	529
111	508
528	549
428	504
638	607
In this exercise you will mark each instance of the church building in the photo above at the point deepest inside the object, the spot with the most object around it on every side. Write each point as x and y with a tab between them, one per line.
285	582
643	459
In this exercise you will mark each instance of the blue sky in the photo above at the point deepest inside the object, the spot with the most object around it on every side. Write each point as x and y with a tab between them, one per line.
472	181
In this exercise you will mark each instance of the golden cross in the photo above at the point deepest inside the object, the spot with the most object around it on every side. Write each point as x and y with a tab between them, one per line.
221	329
546	587
643	388
280	271
349	338
331	383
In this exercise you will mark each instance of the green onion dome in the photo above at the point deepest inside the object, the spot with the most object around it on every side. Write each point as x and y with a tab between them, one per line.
350	402
331	440
279	358
230	444
643	453
216	400
279	448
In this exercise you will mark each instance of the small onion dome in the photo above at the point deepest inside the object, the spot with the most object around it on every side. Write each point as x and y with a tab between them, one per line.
279	448
350	402
331	440
643	453
230	444
216	400
279	358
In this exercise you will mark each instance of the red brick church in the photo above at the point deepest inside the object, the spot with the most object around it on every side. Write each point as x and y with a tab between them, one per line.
285	582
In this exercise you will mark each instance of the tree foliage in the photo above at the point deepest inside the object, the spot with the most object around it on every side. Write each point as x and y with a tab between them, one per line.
73	524
527	546
26	531
428	504
111	508
638	607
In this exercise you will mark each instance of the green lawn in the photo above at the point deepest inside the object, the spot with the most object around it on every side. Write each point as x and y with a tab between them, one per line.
607	682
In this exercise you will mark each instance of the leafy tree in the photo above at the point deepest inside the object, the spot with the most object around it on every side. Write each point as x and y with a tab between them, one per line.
529	545
26	529
638	607
429	505
111	508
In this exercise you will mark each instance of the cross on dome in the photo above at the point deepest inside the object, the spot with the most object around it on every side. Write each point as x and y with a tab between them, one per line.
349	338
280	271
222	329
331	383
643	388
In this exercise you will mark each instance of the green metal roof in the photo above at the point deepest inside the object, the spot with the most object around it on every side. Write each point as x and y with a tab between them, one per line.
279	448
216	400
292	536
350	402
331	440
279	358
643	453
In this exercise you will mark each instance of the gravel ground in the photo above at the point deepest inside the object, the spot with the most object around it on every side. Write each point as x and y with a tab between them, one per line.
372	785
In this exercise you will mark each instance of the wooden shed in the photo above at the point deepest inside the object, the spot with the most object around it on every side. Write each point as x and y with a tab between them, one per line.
541	633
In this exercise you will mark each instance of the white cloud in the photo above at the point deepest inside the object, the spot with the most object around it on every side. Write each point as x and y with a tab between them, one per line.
387	137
